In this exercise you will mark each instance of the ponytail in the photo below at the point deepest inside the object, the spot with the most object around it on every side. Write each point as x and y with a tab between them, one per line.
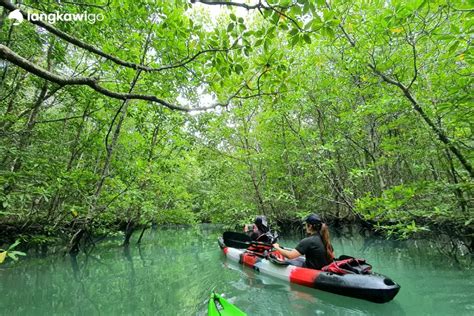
327	244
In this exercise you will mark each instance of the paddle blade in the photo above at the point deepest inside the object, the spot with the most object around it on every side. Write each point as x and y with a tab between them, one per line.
236	244
243	241
237	240
236	236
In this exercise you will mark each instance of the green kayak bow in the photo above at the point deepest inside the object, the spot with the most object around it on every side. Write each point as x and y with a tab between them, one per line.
220	306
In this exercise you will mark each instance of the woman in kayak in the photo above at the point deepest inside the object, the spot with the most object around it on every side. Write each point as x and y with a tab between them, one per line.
317	248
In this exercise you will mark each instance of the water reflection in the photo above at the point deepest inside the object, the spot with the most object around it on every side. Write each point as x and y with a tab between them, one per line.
174	269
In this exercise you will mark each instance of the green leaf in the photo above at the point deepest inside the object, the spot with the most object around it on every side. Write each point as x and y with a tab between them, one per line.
294	40
233	17
316	25
455	29
296	11
453	47
238	69
16	243
328	32
421	5
271	31
266	43
275	18
294	31
306	7
307	38
334	22
230	27
446	37
328	15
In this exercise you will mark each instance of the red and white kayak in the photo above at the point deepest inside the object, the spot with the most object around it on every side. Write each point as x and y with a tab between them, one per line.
368	286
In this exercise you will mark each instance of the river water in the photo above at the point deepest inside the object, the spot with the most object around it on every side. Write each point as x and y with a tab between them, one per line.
174	270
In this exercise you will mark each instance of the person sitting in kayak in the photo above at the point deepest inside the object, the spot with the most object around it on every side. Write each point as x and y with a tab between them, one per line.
259	231
317	248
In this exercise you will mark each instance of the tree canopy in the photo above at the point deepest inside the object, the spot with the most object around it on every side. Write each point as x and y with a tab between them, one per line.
214	111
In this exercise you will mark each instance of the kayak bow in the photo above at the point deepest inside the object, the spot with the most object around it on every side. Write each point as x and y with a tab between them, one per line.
220	306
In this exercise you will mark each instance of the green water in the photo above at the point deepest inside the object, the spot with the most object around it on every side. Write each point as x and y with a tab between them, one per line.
174	270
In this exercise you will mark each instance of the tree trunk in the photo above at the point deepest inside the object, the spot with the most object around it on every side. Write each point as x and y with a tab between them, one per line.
141	235
129	229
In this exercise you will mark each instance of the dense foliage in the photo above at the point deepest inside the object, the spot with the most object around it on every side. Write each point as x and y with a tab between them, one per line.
356	110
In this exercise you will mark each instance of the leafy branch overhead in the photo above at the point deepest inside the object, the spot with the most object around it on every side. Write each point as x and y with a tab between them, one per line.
7	54
306	10
93	82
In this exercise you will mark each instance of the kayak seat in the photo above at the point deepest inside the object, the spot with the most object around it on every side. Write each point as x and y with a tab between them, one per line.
298	262
278	259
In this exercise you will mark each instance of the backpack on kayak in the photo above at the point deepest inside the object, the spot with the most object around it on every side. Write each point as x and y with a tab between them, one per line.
348	265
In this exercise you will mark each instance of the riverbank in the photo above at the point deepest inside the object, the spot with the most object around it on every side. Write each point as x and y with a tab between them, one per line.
43	239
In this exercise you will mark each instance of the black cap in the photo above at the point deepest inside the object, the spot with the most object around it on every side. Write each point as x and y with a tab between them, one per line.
261	220
313	219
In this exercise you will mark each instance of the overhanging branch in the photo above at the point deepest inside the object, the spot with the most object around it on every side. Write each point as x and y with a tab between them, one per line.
77	42
258	6
8	54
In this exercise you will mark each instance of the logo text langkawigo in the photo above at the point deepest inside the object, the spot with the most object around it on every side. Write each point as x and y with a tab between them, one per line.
52	18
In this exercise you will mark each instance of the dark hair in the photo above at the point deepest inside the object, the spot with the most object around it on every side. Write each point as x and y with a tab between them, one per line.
327	244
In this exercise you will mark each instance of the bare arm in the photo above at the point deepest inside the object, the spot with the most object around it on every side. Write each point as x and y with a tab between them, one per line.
290	254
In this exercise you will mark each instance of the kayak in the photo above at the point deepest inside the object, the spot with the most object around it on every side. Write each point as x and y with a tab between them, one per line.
368	285
220	306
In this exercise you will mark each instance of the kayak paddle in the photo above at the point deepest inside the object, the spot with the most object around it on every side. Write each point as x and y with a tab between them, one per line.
241	241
